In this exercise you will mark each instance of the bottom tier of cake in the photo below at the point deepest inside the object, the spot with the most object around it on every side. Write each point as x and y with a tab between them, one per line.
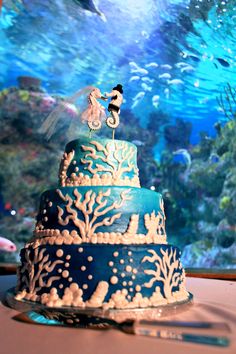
107	276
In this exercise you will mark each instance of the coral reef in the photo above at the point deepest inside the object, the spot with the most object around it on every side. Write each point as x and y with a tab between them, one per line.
201	200
28	162
199	191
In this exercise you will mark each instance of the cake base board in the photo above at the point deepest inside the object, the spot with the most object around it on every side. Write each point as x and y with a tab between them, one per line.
63	314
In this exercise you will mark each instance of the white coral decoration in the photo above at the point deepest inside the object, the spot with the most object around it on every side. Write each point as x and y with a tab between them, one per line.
154	224
65	162
116	158
36	268
91	213
164	272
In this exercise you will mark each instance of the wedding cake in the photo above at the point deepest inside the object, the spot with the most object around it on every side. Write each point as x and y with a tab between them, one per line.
100	239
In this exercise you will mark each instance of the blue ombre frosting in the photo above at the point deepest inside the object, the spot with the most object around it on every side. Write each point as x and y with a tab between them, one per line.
121	267
95	161
138	201
100	240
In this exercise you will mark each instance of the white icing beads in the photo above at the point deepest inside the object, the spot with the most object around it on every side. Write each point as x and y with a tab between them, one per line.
68	257
128	268
114	280
59	270
65	273
124	283
70	279
129	253
90	277
80	249
114	270
116	254
85	286
83	268
61	286
111	264
67	265
59	253
90	258
50	204
138	288
122	261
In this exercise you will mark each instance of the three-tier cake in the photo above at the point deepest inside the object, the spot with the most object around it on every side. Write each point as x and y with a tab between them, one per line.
100	239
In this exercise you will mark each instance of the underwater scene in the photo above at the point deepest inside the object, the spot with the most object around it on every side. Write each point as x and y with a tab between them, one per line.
176	61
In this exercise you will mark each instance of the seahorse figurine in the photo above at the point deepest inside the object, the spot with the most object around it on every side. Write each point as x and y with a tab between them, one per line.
114	107
95	112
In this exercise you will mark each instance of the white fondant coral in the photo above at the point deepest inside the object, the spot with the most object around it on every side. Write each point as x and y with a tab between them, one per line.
165	267
93	207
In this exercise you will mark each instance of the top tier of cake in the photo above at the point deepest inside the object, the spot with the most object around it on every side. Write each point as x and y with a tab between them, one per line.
99	162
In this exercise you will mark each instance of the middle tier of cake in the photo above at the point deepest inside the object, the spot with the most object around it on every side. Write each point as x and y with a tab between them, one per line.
113	215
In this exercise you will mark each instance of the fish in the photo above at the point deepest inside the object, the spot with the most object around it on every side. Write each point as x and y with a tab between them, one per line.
165	76
138	142
146	87
187	68
223	62
166	66
184	157
138	98
214	157
155	100
167	93
175	82
194	58
7	245
140	71
151	65
181	64
134	78
145	34
90	6
147	79
133	65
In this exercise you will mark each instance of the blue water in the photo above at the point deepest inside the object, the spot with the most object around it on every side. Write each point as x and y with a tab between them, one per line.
68	48
173	57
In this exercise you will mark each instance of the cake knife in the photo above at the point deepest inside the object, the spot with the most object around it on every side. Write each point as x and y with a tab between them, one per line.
182	331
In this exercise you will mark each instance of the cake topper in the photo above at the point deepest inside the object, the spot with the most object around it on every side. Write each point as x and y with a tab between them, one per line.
94	112
114	107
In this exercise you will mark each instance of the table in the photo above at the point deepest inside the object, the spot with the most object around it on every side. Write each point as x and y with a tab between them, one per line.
214	300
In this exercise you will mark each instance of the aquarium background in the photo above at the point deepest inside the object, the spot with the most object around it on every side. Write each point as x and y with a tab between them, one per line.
176	62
